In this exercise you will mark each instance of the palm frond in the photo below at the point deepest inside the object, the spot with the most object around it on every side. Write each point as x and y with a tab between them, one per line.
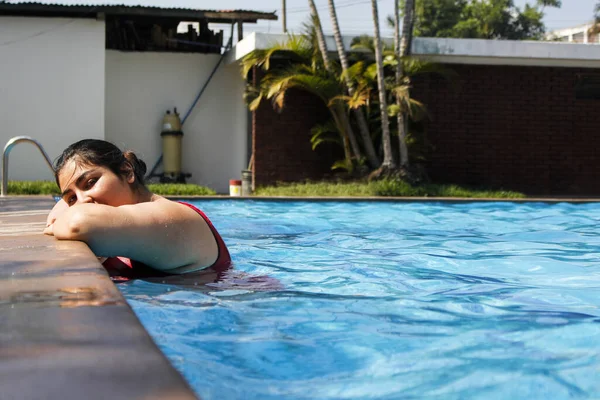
324	133
255	103
342	97
300	77
414	108
360	97
414	67
252	97
278	99
277	85
322	87
251	60
343	164
371	72
354	72
364	43
295	48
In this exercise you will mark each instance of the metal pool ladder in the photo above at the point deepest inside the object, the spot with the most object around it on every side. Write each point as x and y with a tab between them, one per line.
9	145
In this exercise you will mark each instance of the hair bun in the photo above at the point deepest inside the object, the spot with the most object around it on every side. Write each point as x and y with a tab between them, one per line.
143	167
139	166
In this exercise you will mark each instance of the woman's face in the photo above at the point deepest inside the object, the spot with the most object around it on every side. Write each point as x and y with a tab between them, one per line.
82	183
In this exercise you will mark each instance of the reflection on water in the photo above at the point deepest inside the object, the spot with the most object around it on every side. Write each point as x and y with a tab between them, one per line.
389	300
211	280
64	297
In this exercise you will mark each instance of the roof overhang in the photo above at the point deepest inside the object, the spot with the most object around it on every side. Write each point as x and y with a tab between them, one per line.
463	51
91	11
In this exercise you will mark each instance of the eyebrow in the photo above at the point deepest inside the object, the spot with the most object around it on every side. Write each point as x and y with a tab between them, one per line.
81	178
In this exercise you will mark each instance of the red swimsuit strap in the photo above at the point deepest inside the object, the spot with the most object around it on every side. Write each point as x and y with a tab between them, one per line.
223	258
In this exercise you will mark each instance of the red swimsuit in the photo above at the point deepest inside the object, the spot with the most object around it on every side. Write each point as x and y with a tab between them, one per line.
123	268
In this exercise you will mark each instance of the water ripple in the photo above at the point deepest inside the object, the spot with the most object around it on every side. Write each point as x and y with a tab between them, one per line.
391	300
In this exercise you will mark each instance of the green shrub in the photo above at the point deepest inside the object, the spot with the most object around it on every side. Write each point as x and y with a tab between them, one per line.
317	189
48	187
32	187
180	189
384	188
307	189
389	187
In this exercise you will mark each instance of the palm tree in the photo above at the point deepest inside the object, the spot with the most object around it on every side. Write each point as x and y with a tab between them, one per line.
358	112
388	163
364	73
303	72
345	122
402	49
316	21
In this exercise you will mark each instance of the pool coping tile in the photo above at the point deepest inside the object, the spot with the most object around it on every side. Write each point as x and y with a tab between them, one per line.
383	199
66	331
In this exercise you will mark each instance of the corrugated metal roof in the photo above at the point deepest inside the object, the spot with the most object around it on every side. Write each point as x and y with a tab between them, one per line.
165	4
156	5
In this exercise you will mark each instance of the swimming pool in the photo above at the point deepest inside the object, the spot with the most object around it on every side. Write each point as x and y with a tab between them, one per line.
390	300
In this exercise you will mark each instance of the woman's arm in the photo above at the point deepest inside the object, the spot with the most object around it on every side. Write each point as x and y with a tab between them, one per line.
162	234
60	207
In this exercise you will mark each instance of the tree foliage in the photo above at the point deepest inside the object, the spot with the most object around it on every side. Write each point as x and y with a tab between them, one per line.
480	19
297	63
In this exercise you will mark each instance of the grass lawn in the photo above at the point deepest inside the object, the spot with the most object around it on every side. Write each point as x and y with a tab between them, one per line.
163	189
381	188
308	189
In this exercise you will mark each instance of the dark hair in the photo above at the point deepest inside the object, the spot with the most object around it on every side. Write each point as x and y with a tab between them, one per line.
104	154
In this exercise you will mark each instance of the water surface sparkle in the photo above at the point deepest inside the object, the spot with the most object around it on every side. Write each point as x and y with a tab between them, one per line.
391	300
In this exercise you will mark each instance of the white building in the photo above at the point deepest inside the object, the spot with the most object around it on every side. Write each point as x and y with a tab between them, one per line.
98	70
584	33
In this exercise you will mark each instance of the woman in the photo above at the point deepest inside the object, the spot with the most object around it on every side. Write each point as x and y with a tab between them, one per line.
105	204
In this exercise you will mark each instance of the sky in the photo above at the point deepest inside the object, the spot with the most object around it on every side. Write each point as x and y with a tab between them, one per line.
355	15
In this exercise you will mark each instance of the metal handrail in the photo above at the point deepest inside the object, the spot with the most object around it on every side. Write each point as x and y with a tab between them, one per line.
9	145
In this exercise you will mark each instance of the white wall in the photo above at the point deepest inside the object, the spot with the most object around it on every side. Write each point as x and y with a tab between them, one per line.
51	87
461	51
140	87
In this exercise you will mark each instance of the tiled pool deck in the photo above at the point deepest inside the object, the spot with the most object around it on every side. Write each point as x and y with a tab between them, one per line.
66	331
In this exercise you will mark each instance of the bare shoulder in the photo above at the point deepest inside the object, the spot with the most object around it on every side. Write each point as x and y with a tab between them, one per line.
160	206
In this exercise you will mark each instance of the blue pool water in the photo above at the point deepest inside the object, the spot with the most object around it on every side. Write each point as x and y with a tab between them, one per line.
388	301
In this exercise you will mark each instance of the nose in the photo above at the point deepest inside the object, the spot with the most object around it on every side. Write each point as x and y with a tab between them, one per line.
84	198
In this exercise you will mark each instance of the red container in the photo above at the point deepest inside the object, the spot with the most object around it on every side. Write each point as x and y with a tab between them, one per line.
235	187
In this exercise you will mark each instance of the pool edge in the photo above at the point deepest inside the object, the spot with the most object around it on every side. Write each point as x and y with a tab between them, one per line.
66	330
393	199
556	199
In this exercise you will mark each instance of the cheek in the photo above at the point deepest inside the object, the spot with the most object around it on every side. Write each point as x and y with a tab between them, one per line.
100	189
103	194
113	190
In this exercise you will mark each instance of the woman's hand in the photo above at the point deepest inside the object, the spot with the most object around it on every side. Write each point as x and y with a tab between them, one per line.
60	207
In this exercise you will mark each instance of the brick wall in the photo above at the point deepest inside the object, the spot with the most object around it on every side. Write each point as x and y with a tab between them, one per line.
281	141
517	128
